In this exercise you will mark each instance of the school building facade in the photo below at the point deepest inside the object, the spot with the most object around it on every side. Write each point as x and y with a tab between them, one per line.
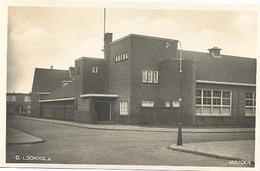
139	82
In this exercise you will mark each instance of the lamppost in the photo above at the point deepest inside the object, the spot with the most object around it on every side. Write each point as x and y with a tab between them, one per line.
179	138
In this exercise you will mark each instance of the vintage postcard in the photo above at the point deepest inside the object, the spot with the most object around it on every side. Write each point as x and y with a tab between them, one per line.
130	85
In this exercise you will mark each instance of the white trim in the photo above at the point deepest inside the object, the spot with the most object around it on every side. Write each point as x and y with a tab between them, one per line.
43	93
99	95
65	81
225	83
53	100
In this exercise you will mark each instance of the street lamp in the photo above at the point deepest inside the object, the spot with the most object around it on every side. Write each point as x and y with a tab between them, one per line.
179	138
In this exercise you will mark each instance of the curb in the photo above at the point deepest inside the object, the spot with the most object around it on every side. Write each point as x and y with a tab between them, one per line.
205	154
23	143
116	129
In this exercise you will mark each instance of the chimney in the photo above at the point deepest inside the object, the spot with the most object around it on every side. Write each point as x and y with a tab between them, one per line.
107	39
215	52
51	67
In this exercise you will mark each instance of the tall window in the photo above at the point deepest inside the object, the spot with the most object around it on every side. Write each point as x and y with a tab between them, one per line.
144	76
147	103
123	107
27	98
149	76
250	104
213	102
11	98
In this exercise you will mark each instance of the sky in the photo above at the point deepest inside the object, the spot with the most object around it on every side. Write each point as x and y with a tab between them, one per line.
39	37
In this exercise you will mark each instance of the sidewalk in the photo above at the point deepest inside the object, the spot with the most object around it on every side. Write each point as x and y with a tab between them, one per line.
140	128
229	150
14	136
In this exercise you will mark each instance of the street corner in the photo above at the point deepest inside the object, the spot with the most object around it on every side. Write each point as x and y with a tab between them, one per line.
15	136
239	152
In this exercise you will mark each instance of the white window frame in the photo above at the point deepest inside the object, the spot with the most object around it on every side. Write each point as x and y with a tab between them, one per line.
144	76
211	106
155	77
149	76
147	103
167	104
253	107
27	98
11	98
123	108
94	70
176	104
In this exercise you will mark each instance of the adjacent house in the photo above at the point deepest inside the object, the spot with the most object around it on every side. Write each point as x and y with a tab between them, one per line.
18	103
148	80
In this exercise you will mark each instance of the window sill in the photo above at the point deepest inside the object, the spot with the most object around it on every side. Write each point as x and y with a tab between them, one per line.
218	115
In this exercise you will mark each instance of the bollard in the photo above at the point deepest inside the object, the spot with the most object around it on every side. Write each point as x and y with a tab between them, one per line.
179	138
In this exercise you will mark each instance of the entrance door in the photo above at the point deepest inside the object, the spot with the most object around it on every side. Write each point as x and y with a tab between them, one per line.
103	111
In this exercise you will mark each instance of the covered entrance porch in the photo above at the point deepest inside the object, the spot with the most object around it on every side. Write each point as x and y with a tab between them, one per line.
100	106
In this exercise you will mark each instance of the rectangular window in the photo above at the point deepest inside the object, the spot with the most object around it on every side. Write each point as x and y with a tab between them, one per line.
176	104
155	76
144	76
213	102
123	107
11	98
250	100
167	104
27	98
94	70
147	103
150	76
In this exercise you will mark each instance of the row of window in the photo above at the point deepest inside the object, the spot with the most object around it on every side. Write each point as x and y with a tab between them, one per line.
50	106
121	57
123	105
218	102
208	102
149	76
13	98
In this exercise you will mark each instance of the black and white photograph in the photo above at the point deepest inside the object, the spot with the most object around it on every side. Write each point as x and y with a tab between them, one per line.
131	85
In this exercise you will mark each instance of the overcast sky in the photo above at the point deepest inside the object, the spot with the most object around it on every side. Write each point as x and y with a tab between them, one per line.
39	37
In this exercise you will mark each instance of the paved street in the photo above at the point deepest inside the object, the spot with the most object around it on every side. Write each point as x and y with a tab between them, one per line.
74	145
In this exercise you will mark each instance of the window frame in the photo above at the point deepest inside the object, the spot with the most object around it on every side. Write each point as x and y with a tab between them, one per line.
27	98
147	103
123	107
94	70
253	107
11	98
207	107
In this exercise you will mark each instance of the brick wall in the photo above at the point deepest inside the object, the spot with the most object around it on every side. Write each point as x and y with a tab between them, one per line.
93	82
146	54
120	77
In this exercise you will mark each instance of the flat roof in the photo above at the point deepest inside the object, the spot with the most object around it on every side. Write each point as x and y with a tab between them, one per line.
55	100
99	95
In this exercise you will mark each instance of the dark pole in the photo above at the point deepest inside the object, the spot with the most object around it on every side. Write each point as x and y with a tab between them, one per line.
179	138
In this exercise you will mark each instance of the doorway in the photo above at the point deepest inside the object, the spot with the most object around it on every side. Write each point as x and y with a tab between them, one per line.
102	110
